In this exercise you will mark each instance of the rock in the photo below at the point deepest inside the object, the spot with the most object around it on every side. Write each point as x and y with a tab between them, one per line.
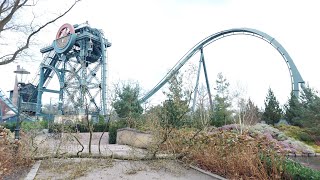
132	137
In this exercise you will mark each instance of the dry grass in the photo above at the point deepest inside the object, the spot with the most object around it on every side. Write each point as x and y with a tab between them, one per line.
230	155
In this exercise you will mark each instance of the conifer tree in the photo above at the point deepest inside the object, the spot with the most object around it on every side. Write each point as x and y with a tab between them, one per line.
272	112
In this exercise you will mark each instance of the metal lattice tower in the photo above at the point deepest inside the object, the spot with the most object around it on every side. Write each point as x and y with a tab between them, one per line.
78	58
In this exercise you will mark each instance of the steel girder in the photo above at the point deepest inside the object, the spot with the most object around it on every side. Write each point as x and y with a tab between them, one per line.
79	63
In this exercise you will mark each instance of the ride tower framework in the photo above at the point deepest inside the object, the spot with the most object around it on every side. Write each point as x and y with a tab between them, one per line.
78	58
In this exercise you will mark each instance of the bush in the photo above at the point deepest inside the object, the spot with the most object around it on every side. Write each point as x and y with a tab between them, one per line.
101	127
79	127
56	128
231	155
113	127
11	126
297	133
294	170
303	136
14	155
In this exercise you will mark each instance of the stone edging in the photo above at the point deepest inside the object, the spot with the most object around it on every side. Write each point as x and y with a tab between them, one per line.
207	173
204	171
304	155
33	172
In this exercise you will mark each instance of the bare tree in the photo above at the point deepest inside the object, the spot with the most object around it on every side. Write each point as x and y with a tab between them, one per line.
246	112
9	10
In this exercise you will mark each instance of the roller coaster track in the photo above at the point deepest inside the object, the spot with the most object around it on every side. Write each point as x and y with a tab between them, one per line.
51	60
11	106
296	78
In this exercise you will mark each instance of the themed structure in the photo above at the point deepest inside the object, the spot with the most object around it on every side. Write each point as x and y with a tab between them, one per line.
77	57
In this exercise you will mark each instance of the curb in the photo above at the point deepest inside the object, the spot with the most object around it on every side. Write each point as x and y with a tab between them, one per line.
207	173
303	155
33	172
204	171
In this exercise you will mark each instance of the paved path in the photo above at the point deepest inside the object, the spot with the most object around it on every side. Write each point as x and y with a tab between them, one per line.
99	168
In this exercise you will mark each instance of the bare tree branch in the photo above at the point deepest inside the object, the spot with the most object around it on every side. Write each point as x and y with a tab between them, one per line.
17	5
14	55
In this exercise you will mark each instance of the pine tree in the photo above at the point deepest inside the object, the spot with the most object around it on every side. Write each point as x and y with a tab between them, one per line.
293	111
222	103
176	105
310	113
272	113
127	104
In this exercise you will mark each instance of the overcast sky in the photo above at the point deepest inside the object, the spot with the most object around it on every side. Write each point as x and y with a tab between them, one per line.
148	37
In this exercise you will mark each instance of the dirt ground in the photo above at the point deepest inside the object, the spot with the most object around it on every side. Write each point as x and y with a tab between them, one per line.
116	169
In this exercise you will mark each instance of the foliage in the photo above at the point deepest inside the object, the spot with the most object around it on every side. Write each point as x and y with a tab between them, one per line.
175	107
222	103
293	111
60	128
235	156
225	153
305	112
113	127
100	127
311	111
272	112
10	126
301	134
295	170
283	140
14	155
127	104
79	127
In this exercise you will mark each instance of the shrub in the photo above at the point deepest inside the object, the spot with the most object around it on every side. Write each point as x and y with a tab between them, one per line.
298	133
232	155
11	126
113	127
100	127
237	156
14	155
303	136
294	170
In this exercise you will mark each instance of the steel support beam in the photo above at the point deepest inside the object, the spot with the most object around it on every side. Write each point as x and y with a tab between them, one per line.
207	79
197	84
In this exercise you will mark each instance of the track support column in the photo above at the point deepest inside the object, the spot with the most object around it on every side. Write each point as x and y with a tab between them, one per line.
207	79
197	84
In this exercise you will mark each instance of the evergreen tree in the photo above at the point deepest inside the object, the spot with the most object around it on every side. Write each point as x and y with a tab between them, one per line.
176	105
272	113
127	104
293	111
310	113
222	102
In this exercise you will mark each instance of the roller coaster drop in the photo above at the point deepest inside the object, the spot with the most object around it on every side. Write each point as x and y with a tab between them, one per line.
296	79
78	54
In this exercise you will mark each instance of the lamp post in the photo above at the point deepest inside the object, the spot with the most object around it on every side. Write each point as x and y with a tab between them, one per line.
22	74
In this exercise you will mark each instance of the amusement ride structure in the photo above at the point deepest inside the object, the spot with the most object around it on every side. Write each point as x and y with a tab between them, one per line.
78	58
